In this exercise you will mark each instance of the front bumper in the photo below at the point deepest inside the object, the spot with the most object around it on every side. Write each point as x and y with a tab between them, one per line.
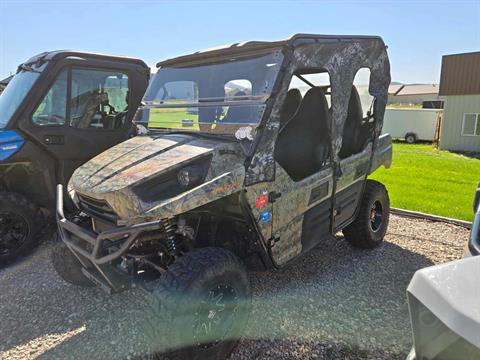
96	252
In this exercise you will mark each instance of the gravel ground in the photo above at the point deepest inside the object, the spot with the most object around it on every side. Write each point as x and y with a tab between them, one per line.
335	303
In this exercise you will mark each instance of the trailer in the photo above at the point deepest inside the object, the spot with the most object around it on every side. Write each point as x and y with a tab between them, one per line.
412	124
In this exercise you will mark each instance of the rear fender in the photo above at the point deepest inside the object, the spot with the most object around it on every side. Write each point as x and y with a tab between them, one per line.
382	154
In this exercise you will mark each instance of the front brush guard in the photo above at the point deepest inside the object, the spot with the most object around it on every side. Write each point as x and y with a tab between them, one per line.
103	274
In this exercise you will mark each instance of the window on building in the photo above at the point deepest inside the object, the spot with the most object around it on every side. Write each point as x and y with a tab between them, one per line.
471	125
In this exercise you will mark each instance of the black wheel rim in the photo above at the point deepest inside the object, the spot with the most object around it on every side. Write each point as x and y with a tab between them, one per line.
215	317
376	216
14	231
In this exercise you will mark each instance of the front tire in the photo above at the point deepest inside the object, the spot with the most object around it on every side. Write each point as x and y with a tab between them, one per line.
201	306
68	266
369	228
20	225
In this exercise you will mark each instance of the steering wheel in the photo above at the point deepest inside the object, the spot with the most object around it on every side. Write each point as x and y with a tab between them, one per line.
59	119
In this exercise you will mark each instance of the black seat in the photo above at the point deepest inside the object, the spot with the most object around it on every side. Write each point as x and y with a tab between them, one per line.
302	144
351	140
292	102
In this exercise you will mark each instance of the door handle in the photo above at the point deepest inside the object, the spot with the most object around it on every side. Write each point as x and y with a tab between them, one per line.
54	139
273	196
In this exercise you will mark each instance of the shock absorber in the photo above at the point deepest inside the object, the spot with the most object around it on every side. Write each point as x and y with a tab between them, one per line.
171	236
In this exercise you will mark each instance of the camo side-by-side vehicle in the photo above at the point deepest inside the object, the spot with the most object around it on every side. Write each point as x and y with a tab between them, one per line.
251	159
59	110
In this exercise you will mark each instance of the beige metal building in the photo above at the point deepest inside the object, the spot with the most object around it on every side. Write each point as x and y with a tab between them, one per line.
460	89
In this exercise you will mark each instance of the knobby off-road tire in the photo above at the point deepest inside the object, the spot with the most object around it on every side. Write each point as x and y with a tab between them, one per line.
20	225
67	265
200	306
370	226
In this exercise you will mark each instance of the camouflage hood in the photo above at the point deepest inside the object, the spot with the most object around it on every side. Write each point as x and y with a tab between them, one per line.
138	159
141	173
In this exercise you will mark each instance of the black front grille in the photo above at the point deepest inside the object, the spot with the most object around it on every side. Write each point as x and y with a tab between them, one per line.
97	208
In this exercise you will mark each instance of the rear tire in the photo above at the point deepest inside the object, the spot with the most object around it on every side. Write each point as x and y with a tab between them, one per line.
368	229
20	225
200	306
68	267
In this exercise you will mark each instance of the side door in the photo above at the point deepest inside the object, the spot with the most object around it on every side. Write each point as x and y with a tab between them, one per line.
302	190
87	109
356	152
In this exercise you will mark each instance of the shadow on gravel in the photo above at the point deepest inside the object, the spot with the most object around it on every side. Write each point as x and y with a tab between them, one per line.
337	294
337	302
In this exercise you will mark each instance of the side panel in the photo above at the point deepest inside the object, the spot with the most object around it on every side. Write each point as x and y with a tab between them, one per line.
303	205
30	172
346	203
354	170
316	222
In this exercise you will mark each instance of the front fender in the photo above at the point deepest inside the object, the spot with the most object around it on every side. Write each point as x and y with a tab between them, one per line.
217	188
10	143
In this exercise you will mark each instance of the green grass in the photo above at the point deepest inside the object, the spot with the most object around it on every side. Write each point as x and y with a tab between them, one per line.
433	181
172	118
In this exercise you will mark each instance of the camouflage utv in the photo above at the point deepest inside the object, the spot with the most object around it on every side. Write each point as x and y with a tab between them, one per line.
255	153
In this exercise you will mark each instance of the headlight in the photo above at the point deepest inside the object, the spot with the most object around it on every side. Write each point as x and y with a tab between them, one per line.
191	176
173	182
183	177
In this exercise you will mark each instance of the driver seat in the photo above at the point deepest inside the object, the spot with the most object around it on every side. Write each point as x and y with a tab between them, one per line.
290	106
302	145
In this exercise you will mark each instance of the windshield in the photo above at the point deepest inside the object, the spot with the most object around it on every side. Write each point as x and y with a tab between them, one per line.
15	92
226	97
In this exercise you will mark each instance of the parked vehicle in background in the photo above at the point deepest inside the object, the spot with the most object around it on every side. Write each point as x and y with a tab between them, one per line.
411	124
473	244
59	110
444	305
433	104
256	178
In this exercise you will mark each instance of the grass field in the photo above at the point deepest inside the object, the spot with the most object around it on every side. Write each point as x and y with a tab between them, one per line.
172	118
425	179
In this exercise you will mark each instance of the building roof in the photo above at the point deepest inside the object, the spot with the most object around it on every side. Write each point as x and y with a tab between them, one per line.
418	89
5	81
394	88
460	74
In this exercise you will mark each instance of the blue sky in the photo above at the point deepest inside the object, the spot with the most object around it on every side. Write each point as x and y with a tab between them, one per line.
418	33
